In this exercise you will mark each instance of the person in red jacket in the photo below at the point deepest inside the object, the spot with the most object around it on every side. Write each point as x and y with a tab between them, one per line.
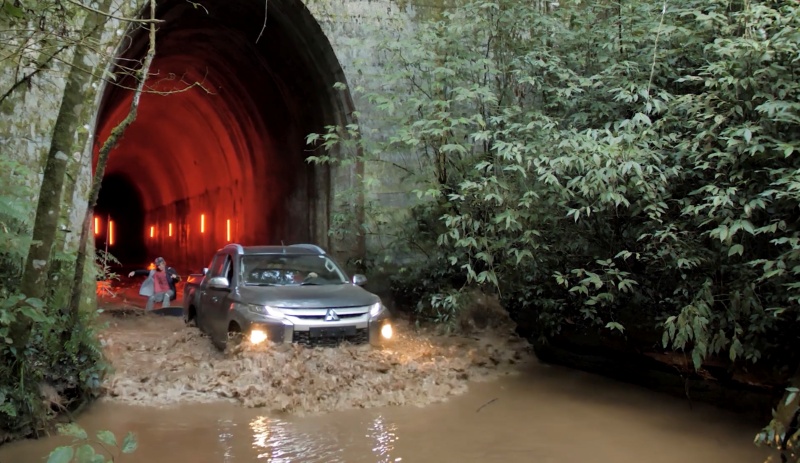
159	285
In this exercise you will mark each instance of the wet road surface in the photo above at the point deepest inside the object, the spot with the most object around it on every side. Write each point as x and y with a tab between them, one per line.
544	415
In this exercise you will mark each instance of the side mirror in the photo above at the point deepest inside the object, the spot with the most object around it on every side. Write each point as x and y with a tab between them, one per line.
219	283
359	279
205	271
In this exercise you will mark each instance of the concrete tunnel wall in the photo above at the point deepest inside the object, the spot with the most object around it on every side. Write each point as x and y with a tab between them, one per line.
224	160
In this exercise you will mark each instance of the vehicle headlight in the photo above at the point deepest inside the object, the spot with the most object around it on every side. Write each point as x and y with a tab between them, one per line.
257	336
375	309
268	310
386	331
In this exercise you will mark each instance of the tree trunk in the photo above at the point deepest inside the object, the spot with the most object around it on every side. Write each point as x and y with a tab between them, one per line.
48	209
102	158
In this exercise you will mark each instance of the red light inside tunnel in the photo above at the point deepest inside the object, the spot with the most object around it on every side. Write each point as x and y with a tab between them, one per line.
152	231
202	223
96	226
228	229
110	232
170	229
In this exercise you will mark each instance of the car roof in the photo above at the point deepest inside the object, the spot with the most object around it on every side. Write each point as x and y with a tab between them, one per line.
302	249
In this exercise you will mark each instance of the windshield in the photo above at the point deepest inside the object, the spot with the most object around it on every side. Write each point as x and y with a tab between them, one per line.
288	269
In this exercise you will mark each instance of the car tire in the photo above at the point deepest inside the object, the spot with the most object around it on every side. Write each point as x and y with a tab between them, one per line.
199	321
234	339
190	320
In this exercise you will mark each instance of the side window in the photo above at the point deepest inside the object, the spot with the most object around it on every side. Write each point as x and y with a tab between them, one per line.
217	266
229	269
224	268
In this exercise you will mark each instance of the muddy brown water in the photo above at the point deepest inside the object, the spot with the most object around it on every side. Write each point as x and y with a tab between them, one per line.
543	415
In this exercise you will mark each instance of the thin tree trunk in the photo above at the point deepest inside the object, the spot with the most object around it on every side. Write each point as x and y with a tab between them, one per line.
48	209
102	159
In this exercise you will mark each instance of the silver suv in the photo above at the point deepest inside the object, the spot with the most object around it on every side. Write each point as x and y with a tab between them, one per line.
294	293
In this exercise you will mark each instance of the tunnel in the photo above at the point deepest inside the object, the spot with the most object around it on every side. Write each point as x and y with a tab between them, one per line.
217	152
120	194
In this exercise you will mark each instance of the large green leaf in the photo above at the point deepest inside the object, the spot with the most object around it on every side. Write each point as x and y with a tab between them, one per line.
85	454
13	10
129	443
61	455
107	437
72	430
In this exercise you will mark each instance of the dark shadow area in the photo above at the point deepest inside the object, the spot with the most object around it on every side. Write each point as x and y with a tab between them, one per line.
121	203
751	395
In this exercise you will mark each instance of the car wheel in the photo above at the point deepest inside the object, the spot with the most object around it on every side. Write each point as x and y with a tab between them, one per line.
198	320
235	336
191	317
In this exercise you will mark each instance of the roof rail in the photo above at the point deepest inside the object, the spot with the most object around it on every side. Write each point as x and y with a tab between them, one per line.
312	247
237	246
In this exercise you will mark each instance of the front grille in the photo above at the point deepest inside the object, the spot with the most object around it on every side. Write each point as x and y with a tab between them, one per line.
304	338
320	312
322	316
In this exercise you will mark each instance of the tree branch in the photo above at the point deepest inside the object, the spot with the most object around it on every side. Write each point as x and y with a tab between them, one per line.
264	26
149	88
132	20
102	158
32	74
655	47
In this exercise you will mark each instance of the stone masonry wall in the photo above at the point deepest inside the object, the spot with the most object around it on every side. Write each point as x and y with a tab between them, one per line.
28	117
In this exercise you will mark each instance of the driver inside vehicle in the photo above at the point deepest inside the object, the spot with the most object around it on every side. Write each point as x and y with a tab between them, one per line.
299	277
290	270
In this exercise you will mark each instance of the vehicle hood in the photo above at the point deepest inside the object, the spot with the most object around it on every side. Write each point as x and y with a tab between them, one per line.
307	297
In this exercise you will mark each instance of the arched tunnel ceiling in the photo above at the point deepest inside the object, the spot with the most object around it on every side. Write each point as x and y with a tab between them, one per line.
220	131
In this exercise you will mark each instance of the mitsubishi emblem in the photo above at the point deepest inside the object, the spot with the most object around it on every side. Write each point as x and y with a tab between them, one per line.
331	316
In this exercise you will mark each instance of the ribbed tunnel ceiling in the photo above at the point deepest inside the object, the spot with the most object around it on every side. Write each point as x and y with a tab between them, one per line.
217	150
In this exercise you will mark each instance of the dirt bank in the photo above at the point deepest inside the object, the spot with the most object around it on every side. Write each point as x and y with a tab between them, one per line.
159	361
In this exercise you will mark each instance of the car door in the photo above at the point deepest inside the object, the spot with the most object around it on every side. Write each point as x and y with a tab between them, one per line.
216	302
205	313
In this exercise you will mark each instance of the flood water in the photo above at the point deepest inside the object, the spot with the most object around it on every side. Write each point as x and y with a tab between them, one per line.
543	415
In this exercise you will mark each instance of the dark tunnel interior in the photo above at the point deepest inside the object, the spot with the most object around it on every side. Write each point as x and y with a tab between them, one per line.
121	205
217	151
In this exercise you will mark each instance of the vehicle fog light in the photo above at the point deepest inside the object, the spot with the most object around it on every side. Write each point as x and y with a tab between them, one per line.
386	331
258	336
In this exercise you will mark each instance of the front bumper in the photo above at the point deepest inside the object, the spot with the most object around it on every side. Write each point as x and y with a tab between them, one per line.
321	333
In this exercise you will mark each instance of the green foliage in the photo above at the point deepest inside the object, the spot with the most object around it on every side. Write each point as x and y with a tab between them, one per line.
85	450
61	365
15	221
782	433
104	260
619	166
54	19
57	365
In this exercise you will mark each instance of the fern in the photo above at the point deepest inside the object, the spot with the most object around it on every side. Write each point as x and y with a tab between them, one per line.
15	220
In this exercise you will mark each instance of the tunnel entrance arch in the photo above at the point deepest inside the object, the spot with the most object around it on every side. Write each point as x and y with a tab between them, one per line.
217	152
